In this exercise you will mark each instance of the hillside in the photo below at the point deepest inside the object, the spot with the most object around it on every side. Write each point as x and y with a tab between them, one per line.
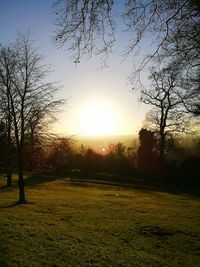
82	224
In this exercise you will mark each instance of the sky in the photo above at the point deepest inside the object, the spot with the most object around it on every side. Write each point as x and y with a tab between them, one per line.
99	102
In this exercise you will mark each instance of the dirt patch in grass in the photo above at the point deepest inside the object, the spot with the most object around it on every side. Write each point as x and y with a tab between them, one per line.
155	231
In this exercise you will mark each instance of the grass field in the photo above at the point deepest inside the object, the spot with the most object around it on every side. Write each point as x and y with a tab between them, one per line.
82	224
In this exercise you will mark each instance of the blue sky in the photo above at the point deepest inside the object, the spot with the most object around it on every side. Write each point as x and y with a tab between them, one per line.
83	83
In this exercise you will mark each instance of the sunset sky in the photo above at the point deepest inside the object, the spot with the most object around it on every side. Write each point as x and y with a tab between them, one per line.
99	102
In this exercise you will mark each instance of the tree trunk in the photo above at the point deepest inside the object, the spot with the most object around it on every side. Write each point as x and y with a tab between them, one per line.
21	187
162	150
9	148
32	150
9	165
21	183
9	179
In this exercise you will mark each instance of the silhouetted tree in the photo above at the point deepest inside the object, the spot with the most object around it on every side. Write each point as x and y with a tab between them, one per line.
167	115
147	150
119	151
92	160
60	156
190	83
38	135
7	67
3	142
27	91
173	25
119	158
88	27
83	24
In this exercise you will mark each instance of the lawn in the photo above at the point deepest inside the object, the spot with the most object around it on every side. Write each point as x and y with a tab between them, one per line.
82	224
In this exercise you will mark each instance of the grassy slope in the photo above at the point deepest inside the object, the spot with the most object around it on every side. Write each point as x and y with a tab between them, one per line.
71	224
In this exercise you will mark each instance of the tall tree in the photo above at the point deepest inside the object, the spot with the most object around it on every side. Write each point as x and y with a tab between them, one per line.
2	145
7	67
167	114
28	91
146	151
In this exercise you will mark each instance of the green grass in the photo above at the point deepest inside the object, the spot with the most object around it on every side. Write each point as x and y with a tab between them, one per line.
82	224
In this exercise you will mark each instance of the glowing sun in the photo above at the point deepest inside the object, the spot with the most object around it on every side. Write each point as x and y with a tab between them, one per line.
98	118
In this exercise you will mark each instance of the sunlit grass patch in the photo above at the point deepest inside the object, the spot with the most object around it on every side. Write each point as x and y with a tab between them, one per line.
68	224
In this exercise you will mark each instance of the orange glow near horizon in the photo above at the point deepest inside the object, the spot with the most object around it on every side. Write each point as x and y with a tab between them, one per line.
97	117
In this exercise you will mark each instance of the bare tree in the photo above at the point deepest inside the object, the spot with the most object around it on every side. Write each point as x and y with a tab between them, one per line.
60	155
28	91
86	25
174	26
190	83
167	114
7	67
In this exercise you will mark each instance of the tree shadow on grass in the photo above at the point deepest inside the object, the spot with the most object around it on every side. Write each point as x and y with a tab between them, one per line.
3	187
3	178
147	188
3	258
30	181
15	204
34	180
7	188
10	205
38	179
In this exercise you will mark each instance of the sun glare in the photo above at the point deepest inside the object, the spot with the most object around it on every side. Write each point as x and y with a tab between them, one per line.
98	118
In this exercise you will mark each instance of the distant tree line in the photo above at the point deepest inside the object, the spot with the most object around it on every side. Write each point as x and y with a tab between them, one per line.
61	156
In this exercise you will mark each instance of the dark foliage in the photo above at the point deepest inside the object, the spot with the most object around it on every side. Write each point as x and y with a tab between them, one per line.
147	156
